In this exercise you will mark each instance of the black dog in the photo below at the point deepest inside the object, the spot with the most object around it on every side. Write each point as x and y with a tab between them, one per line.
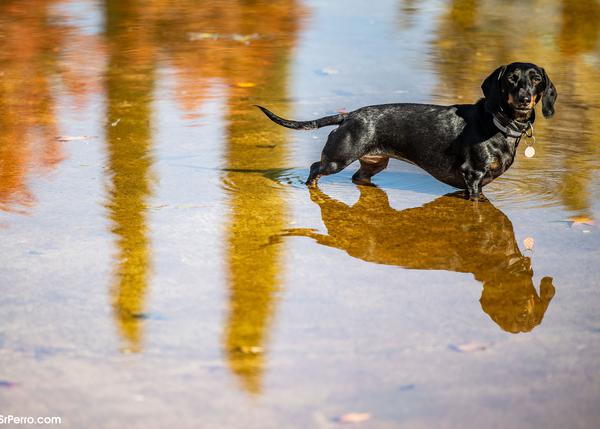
463	145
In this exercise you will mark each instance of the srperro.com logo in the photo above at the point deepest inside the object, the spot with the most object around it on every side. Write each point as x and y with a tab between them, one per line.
29	420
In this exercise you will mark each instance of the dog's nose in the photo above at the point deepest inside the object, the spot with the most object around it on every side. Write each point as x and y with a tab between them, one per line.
524	97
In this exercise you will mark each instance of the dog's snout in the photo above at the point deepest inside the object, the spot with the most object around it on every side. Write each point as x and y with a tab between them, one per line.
524	96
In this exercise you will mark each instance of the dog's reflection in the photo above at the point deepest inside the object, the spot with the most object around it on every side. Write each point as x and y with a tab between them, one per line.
449	233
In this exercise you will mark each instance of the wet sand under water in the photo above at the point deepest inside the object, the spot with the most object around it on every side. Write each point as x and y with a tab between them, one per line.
163	264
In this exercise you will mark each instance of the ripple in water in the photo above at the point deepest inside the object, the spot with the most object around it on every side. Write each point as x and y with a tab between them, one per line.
534	188
531	188
400	180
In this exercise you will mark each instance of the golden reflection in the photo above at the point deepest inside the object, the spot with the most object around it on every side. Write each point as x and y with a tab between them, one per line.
578	40
450	234
245	46
257	207
129	86
29	60
474	36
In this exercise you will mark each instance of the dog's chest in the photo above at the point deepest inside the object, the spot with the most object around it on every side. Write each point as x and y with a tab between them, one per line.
499	155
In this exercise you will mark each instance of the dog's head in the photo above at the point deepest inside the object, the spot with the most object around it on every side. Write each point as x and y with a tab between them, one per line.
516	88
513	303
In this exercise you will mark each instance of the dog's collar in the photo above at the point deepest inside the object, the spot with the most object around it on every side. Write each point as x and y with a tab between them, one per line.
510	127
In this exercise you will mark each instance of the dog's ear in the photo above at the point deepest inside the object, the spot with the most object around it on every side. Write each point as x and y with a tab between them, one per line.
491	90
549	96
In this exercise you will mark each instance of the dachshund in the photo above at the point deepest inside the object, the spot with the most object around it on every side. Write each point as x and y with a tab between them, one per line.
464	145
447	234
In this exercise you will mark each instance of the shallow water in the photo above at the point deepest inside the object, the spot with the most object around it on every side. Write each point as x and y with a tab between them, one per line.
163	264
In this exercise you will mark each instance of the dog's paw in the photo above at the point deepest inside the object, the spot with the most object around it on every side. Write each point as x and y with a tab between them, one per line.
477	198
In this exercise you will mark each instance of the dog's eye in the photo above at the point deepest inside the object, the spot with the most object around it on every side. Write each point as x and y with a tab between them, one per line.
513	78
536	78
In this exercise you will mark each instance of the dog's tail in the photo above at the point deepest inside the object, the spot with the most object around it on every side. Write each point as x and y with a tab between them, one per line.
305	125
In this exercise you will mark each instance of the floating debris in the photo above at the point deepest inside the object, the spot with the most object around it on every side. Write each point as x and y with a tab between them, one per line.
202	36
353	418
245	39
240	38
147	316
328	71
114	124
581	220
249	350
407	387
470	347
73	138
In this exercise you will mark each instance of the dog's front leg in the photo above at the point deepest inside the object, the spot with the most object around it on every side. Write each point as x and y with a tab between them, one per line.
473	180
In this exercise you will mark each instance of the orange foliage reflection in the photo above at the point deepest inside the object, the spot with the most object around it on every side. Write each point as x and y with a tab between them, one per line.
30	58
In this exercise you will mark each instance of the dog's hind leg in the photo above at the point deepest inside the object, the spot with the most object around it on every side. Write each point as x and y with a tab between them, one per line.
370	165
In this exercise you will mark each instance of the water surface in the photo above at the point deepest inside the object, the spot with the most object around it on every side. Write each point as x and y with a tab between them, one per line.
162	262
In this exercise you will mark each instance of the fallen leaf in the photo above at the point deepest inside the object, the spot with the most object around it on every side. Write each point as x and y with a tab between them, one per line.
158	207
353	418
470	347
250	350
581	220
7	384
192	116
406	387
73	138
202	36
327	71
244	38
